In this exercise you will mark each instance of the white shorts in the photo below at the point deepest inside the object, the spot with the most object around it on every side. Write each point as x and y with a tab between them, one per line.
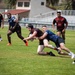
40	48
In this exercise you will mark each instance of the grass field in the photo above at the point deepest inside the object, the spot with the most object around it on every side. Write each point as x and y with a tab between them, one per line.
21	60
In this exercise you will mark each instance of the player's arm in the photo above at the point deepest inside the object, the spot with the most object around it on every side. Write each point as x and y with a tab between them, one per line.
16	22
32	36
53	24
43	36
66	25
2	23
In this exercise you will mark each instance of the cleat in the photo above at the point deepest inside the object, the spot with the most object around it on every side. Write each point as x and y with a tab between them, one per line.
9	44
26	43
51	54
72	56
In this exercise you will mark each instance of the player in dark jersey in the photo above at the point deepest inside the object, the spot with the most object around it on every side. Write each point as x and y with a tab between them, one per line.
59	42
37	33
14	27
61	24
1	24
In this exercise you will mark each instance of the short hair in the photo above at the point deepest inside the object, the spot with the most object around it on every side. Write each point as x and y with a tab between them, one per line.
44	26
8	13
30	26
58	11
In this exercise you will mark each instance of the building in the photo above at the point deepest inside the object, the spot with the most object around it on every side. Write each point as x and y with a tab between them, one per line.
29	8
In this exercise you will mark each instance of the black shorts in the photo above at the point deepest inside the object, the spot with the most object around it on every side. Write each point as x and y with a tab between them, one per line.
59	40
17	29
41	42
58	30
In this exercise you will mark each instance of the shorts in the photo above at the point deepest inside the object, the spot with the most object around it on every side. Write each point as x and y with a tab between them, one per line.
18	28
59	30
41	42
59	40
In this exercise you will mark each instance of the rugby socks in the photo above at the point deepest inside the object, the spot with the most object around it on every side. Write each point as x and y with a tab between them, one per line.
26	42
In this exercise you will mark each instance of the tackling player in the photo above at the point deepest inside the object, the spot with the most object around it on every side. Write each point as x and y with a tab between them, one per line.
37	33
59	42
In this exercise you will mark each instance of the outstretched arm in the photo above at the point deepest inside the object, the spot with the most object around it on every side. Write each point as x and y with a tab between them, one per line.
32	36
16	23
43	36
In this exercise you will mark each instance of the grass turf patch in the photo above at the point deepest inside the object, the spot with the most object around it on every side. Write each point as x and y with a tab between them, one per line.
21	60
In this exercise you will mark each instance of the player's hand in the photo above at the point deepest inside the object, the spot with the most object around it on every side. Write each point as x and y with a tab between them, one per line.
63	30
24	39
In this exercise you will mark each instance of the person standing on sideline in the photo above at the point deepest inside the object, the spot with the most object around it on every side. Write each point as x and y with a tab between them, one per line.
59	42
14	27
1	24
61	25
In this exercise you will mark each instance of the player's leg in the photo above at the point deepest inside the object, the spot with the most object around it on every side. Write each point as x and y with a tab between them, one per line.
41	52
19	34
0	33
63	35
63	47
0	38
41	48
8	37
46	44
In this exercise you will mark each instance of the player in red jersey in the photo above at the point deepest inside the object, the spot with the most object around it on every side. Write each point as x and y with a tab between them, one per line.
61	25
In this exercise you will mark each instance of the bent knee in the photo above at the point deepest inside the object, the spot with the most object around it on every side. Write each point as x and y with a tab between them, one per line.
45	45
38	52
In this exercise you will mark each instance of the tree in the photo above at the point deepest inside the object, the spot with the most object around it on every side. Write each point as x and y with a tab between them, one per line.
73	4
10	3
68	5
52	2
65	5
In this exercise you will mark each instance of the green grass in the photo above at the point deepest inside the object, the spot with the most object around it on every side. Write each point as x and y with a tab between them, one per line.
21	60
